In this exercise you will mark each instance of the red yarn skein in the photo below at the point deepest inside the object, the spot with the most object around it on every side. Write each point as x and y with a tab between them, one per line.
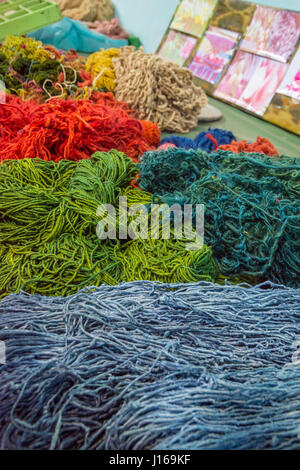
73	130
262	145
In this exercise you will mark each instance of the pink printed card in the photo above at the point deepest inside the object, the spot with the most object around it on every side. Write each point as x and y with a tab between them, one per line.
214	54
290	85
177	47
192	16
251	81
272	33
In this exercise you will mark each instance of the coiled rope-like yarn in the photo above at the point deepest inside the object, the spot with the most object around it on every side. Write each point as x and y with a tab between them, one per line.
105	10
48	221
252	206
71	129
158	91
152	366
87	10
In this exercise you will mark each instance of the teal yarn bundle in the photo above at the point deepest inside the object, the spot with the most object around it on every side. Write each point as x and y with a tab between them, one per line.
144	366
252	207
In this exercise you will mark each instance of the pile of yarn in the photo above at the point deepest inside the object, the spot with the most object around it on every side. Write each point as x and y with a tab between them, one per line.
48	227
252	217
152	366
87	10
111	28
25	47
100	65
208	140
108	99
262	145
71	129
34	71
158	91
219	139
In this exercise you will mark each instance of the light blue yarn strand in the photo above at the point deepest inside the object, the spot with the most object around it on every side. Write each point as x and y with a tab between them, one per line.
145	365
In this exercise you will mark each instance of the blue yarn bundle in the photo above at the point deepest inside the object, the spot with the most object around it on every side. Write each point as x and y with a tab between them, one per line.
252	207
152	366
202	141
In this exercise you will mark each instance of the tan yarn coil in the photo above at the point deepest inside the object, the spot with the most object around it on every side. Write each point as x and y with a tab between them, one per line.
87	10
105	10
158	91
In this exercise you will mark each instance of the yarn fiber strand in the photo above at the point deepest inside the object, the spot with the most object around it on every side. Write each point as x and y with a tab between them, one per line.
158	91
252	201
49	243
151	366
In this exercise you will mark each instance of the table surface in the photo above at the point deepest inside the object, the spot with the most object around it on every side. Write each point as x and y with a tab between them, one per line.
247	127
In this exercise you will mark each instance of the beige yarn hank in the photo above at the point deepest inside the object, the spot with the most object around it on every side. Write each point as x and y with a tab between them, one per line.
87	10
105	10
158	91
